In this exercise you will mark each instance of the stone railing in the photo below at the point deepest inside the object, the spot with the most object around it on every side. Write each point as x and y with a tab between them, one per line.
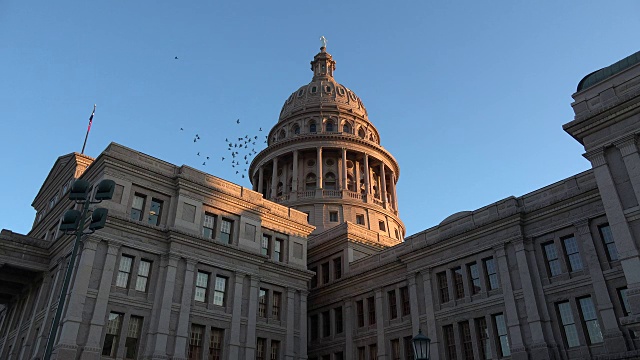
354	195
332	193
306	194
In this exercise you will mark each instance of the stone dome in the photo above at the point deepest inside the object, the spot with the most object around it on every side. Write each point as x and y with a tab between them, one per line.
323	92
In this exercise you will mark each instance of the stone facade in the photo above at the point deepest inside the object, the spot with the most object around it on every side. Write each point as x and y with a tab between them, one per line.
323	269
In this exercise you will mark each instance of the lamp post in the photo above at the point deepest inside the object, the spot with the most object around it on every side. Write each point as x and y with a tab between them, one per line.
421	345
73	221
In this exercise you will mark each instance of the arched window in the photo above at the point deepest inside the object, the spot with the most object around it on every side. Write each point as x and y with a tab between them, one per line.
329	126
279	189
361	133
282	134
310	182
296	129
330	181
312	127
346	128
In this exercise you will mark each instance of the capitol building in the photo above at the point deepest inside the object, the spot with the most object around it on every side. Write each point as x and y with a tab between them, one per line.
313	262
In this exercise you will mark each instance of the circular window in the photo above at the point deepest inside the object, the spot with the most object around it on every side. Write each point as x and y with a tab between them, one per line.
349	164
329	162
311	162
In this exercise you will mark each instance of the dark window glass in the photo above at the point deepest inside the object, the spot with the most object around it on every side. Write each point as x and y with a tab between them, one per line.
337	313
573	254
551	255
137	207
491	270
609	243
371	309
467	343
393	307
326	324
457	283
449	342
474	275
337	268
404	298
155	212
360	312
443	285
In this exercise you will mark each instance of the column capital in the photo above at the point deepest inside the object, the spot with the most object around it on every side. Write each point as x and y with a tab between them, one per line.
113	247
626	144
191	263
91	242
596	157
582	226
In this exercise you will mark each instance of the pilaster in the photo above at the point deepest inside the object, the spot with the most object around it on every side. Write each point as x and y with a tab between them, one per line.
518	349
164	310
182	332
234	338
429	313
382	354
289	350
252	317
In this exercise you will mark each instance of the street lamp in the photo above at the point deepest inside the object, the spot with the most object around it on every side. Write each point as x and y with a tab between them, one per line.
421	345
73	221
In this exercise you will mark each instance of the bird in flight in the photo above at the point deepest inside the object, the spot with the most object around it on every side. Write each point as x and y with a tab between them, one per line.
198	153
176	58
204	163
181	129
238	121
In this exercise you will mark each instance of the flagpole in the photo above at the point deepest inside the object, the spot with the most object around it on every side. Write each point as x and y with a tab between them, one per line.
88	128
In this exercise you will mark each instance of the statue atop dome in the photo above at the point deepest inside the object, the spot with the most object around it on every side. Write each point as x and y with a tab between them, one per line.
323	41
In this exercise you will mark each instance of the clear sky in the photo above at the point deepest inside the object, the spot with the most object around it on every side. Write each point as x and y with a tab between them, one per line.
469	96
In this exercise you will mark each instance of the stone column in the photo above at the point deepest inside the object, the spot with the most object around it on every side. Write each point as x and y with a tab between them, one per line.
624	240
3	347
41	339
366	177
294	178
289	350
394	180
260	179
182	332
348	330
382	353
234	337
534	319
631	158
67	345
344	169
164	311
357	174
252	317
320	175
274	179
518	349
15	349
303	324
413	304
429	312
92	349
383	185
30	338
613	337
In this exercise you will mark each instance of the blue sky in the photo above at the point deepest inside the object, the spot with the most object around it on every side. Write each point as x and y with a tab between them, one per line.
469	96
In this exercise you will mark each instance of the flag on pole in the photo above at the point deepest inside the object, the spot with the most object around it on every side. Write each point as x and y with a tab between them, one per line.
88	128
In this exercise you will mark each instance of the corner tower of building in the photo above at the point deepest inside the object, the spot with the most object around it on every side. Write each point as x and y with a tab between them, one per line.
324	158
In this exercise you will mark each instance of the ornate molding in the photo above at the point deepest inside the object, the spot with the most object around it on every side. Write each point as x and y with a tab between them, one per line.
627	144
596	157
582	226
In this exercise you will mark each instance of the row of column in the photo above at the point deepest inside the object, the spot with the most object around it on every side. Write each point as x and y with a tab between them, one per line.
386	195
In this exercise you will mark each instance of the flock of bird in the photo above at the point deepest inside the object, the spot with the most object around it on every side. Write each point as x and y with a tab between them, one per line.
240	150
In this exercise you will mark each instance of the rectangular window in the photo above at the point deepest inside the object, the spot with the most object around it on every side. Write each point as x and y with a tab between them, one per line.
373	352
551	255
337	314
215	344
325	273
568	324
124	271
202	283
326	324
277	249
314	279
333	216
110	345
219	291
137	207
503	340
607	239
143	275
262	303
491	270
264	245
360	219
408	348
467	343
338	356
395	349
622	294
133	336
458	286
371	308
261	346
361	355
449	342
275	350
474	277
482	332
443	285
155	212
360	312
573	254
382	226
590	319
226	226
209	226
393	307
313	324
276	305
337	268
404	298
